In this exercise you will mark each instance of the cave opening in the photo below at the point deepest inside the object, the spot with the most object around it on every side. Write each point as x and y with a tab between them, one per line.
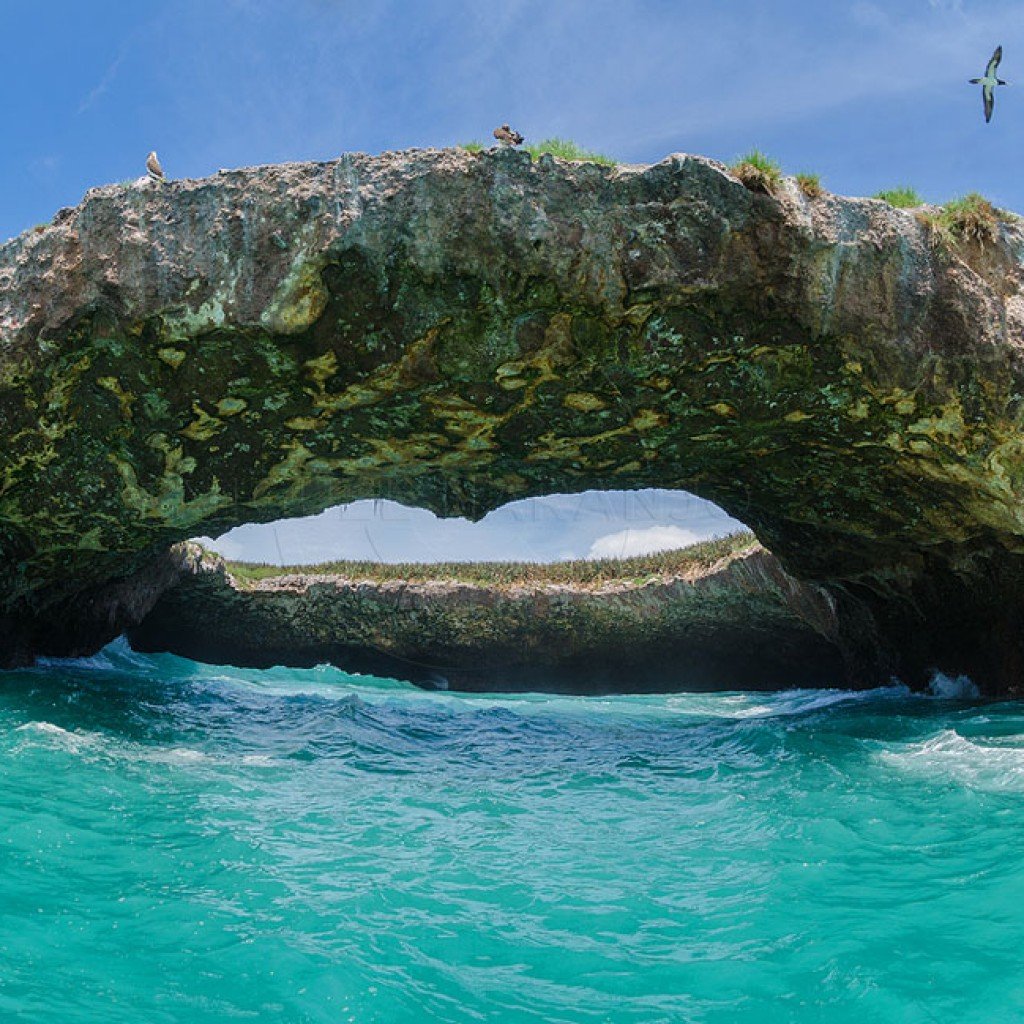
590	593
592	524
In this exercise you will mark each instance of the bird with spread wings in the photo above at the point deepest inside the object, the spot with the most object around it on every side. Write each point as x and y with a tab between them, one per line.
989	82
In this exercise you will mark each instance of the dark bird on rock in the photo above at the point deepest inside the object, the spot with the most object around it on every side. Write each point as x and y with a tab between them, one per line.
989	82
156	172
508	136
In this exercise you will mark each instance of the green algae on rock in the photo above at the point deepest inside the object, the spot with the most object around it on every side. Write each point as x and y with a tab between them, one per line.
458	330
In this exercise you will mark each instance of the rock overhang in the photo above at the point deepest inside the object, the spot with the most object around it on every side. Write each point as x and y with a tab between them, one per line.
457	330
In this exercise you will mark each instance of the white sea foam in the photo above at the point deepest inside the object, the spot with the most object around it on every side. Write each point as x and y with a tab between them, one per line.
99	746
953	687
43	727
796	702
73	742
97	663
948	756
260	761
178	755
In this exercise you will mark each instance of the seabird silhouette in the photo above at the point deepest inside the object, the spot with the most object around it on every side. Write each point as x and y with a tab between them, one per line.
508	136
989	82
156	172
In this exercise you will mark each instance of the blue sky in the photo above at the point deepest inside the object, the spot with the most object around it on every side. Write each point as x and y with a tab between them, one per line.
868	94
595	524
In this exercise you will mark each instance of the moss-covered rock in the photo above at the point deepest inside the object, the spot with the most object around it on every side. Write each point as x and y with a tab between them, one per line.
457	330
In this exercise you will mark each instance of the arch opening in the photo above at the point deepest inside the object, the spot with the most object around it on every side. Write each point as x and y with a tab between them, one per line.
554	528
595	592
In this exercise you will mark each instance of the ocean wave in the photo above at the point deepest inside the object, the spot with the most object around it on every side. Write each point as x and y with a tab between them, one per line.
949	756
115	749
73	741
784	703
620	839
953	687
118	656
330	682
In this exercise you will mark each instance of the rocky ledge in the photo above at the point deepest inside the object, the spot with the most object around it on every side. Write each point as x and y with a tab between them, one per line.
721	615
458	330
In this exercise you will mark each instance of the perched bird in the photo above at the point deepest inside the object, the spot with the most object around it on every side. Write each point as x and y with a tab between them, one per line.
989	82
156	172
508	136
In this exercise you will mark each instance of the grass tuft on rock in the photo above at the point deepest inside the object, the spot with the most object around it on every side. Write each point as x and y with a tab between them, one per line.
758	172
810	185
972	217
582	572
904	198
566	149
563	149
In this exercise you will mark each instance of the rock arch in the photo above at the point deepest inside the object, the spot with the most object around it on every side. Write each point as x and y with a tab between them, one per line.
457	330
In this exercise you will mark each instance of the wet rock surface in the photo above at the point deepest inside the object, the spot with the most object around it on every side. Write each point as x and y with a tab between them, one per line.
458	330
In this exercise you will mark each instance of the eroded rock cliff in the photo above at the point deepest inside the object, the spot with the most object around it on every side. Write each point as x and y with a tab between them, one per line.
456	330
713	618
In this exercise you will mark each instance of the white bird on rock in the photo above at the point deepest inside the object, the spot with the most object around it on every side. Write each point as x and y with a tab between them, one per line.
156	172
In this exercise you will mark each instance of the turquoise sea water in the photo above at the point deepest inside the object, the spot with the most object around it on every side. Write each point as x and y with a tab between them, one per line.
180	843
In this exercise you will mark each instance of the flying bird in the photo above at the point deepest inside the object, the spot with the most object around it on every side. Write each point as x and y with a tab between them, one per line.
156	172
508	136
989	82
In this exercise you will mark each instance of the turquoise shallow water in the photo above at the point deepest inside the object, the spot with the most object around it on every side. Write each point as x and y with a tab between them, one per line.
180	843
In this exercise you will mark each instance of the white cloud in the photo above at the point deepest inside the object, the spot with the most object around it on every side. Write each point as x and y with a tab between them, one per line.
627	543
101	87
554	528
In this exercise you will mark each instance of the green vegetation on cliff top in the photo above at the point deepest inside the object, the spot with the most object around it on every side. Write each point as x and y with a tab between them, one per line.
566	149
584	572
810	185
971	217
758	172
563	149
903	198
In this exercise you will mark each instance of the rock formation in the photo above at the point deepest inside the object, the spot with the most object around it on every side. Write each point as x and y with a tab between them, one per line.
457	330
726	621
